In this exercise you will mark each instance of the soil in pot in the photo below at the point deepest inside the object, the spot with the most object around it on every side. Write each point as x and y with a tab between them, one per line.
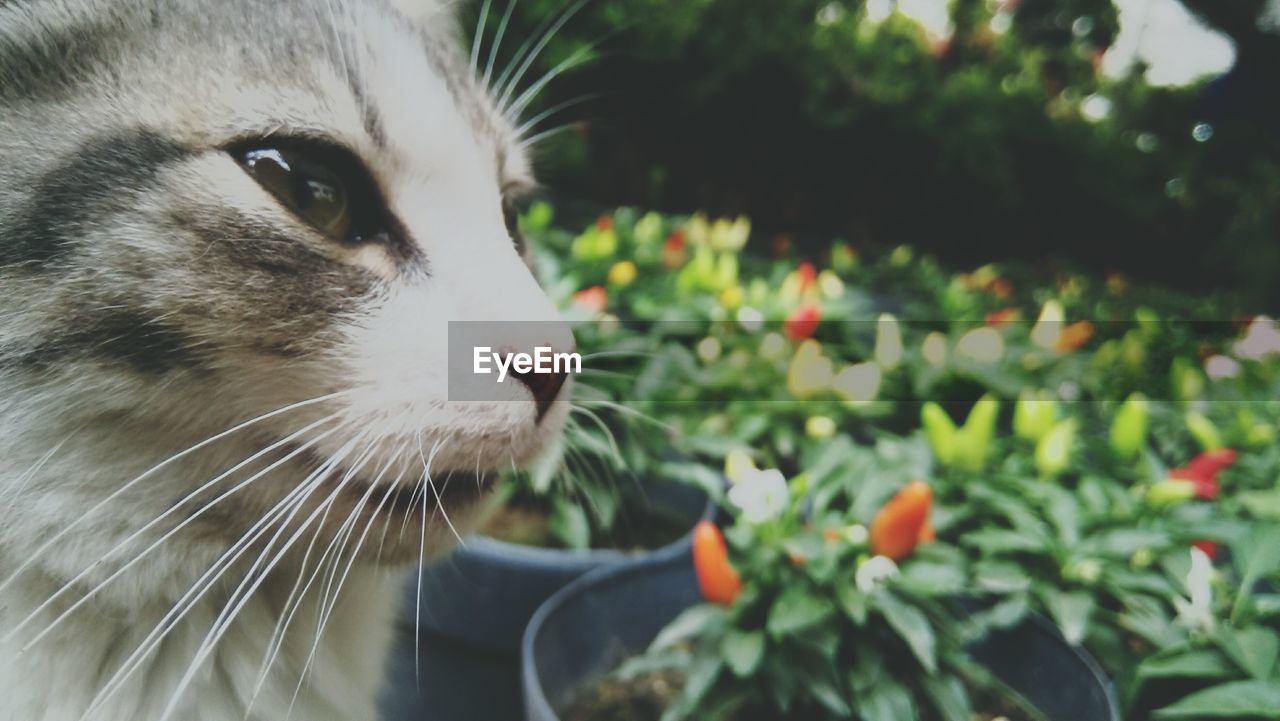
646	696
638	527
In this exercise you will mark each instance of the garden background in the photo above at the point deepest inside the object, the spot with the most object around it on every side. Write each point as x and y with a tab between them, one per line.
975	129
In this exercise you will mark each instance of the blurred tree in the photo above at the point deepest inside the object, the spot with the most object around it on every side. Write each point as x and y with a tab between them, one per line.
999	138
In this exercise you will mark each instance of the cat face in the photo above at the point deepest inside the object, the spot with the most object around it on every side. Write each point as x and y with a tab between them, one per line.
228	262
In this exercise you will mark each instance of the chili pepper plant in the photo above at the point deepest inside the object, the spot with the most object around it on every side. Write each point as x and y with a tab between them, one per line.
1078	436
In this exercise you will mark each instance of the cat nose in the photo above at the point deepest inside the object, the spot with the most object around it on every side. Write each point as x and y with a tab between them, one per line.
545	385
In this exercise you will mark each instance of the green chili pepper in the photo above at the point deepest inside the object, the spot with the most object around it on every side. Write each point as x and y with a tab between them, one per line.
940	431
1204	431
1171	492
1129	428
975	436
1053	452
1034	414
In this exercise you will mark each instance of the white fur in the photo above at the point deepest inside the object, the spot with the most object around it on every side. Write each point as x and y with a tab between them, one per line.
125	499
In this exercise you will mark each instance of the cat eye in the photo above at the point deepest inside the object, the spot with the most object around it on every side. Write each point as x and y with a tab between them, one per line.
325	186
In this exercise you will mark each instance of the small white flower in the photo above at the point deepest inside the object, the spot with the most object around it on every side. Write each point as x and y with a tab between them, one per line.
709	349
772	345
888	350
1260	340
1196	612
1220	366
858	383
762	496
856	534
1048	327
750	319
984	345
934	348
874	572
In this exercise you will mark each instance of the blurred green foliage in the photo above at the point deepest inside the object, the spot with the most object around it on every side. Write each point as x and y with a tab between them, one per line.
814	118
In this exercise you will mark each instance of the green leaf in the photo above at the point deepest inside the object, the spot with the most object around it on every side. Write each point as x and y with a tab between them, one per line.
798	608
569	524
1263	505
999	577
1000	540
826	693
700	678
913	626
1123	542
949	697
853	602
1254	648
743	651
1239	699
1196	663
1064	512
695	621
1071	611
886	701
1260	558
1005	614
696	474
932	579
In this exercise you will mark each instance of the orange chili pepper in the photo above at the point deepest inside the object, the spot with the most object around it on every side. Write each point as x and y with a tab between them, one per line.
1074	336
595	298
927	533
717	578
899	524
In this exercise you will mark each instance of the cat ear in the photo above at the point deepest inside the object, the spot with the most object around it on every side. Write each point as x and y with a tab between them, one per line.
426	12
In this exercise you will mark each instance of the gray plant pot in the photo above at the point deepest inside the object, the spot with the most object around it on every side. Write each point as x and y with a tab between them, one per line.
585	630
484	593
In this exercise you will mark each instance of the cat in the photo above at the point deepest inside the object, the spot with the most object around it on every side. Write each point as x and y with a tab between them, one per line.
232	236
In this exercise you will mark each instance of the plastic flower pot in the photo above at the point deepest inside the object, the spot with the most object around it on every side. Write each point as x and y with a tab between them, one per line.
484	592
587	629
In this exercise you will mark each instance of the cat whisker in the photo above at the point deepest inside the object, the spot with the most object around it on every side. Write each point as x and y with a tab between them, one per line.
497	42
258	573
207	580
327	612
479	35
57	537
509	87
579	57
165	537
532	123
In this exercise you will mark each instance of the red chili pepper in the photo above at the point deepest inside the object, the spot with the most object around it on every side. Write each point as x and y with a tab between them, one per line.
594	298
997	318
604	223
803	321
1208	463
807	274
1001	288
1210	548
898	526
717	578
1202	471
673	255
